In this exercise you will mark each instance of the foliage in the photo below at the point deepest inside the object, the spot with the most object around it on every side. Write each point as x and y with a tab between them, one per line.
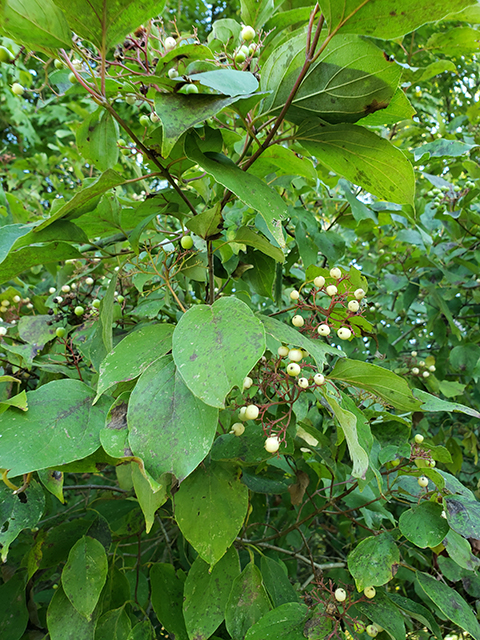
239	320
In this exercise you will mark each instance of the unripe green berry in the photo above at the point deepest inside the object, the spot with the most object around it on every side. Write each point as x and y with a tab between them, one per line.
79	311
60	332
6	55
144	120
247	33
72	78
120	299
186	242
17	89
419	438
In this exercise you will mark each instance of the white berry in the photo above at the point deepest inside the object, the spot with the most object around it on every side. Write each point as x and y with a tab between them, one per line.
415	371
323	330
298	321
283	351
237	429
251	412
369	592
247	383
425	374
52	290
319	378
66	288
353	306
272	444
336	273
331	290
303	383
418	438
293	369
16	299
295	355
423	481
241	413
344	333
432	368
414	354
319	281
421	363
170	43
340	595
294	295
3	331
89	281
359	294
172	73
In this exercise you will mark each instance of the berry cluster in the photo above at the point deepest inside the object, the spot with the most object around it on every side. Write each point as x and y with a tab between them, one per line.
446	198
332	303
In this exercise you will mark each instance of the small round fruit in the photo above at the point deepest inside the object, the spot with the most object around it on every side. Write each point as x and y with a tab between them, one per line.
6	55
432	368
3	331
247	33
298	321
340	595
17	299
121	143
359	294
359	627
293	369
186	242
240	57
125	151
190	88
335	273
247	383
120	299
431	463
144	120
130	99
66	288
72	78
272	444
369	592
241	413
372	631
172	73
60	332
96	303
294	295
17	89
426	374
79	311
89	281
237	429
52	290
58	64
331	290
283	351
295	355
154	118
413	354
319	378
353	306
319	281
422	481
302	383
395	462
344	333
415	371
170	43
323	330
251	412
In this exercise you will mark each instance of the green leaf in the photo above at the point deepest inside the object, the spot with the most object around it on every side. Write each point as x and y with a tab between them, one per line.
206	593
362	157
379	381
179	113
261	276
142	631
148	500
463	516
53	482
106	22
10	234
348	424
255	13
283	161
35	23
460	551
423	525
432	403
65	623
387	19
248	188
276	582
97	139
36	330
17	514
170	428
167	598
290	336
443	147
417	611
286	622
206	347
60	426
230	82
19	261
350	79
210	507
399	108
383	611
84	199
113	625
84	575
450	603
251	238
461	41
248	602
131	357
207	223
374	561
13	608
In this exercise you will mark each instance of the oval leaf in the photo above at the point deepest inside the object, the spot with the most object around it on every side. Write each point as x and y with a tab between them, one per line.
423	525
373	561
